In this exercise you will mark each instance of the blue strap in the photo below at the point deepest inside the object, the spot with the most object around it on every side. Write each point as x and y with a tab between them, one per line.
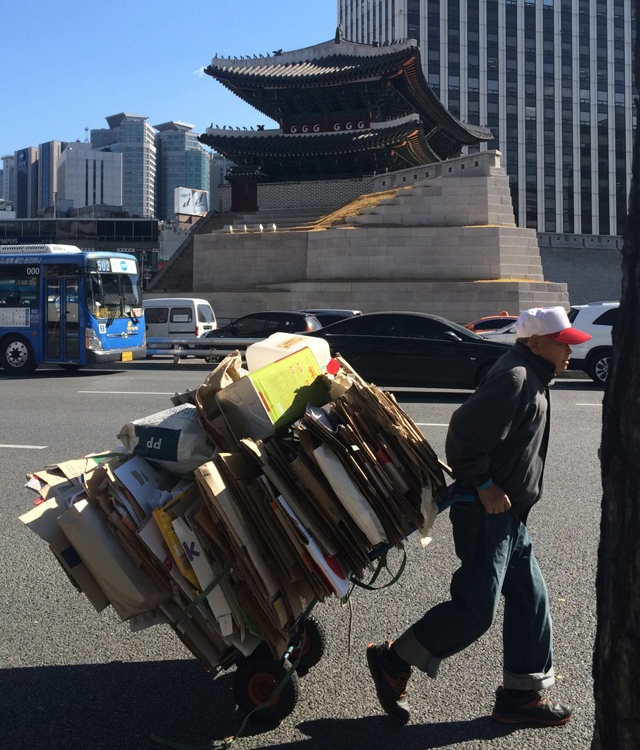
455	494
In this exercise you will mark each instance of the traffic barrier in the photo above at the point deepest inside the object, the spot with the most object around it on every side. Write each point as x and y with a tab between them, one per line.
185	346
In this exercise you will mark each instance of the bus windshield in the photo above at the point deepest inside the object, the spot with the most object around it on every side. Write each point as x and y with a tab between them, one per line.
113	295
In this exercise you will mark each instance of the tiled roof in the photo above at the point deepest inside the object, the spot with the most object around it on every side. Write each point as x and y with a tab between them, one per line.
398	144
388	77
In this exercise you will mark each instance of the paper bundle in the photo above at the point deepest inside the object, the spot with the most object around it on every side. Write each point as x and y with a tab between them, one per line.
236	553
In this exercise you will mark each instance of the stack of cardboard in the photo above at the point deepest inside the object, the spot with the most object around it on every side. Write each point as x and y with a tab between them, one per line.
300	493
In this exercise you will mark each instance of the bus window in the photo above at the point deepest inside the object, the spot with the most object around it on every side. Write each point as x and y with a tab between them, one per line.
19	286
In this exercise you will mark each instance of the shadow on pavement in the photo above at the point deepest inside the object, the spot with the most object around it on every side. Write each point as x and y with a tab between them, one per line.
121	705
358	734
114	706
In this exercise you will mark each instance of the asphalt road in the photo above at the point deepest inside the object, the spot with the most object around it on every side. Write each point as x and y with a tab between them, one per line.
73	679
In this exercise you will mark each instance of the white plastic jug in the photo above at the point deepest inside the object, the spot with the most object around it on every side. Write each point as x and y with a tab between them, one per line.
280	344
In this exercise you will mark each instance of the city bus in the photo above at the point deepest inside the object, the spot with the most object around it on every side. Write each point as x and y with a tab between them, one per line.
65	306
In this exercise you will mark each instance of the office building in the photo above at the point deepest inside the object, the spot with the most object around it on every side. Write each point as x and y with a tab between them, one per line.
89	178
131	136
26	187
181	162
48	157
551	78
8	177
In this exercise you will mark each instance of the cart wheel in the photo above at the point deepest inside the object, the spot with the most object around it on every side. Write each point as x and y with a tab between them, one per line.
254	683
313	643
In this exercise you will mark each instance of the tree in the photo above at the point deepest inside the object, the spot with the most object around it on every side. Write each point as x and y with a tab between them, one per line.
616	665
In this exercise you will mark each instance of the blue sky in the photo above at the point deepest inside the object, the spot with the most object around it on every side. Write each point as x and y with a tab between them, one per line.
66	65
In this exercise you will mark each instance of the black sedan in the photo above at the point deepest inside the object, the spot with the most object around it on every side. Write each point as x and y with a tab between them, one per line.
258	326
413	350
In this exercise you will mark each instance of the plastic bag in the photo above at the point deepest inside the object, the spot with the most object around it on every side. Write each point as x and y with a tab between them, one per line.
173	439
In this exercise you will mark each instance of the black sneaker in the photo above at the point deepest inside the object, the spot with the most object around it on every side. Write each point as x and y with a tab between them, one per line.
528	707
391	683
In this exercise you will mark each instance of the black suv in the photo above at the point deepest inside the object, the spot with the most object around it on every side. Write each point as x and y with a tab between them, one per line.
259	325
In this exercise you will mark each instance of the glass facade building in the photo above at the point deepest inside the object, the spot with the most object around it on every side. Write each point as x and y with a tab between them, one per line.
181	162
133	137
48	159
553	79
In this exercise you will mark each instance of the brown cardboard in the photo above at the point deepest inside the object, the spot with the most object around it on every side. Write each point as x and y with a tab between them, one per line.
43	521
78	572
127	587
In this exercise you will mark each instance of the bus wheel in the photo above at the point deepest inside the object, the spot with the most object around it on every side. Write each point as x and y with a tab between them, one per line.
16	356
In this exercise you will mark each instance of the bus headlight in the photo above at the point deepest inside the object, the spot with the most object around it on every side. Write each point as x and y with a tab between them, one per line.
91	340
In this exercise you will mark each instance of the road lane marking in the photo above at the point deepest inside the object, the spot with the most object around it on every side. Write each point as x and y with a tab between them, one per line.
430	424
24	447
589	404
134	393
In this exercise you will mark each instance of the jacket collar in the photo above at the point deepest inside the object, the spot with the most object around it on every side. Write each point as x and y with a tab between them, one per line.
543	369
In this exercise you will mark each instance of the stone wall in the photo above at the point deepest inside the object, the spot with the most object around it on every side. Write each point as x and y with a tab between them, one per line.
447	245
307	194
242	261
589	266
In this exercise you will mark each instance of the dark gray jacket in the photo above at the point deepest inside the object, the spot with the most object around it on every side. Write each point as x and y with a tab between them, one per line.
502	431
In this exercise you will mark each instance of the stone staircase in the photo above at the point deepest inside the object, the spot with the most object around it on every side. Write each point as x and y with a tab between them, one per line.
177	275
283	218
444	202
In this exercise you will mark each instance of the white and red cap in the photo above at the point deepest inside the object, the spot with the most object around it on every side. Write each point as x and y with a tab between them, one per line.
549	321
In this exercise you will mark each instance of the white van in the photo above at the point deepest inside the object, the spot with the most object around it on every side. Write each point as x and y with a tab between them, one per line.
178	317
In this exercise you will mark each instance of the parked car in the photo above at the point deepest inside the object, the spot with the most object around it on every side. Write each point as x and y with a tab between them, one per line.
506	335
598	319
407	349
327	315
260	325
491	322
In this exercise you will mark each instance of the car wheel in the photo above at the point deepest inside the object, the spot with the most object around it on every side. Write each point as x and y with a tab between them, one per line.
16	356
598	367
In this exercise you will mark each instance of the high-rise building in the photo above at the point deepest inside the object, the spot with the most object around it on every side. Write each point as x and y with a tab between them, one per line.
48	158
553	79
181	162
89	178
26	189
9	178
133	137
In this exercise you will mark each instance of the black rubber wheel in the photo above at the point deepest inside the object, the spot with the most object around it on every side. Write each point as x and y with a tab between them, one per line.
254	683
16	356
313	643
598	367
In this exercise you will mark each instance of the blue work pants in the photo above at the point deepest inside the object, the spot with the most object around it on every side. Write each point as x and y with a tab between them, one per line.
495	558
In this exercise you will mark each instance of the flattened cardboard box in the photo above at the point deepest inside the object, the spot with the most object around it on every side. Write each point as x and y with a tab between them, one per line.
43	520
128	588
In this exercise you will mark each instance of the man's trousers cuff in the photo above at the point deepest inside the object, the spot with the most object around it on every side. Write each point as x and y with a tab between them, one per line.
533	681
413	652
